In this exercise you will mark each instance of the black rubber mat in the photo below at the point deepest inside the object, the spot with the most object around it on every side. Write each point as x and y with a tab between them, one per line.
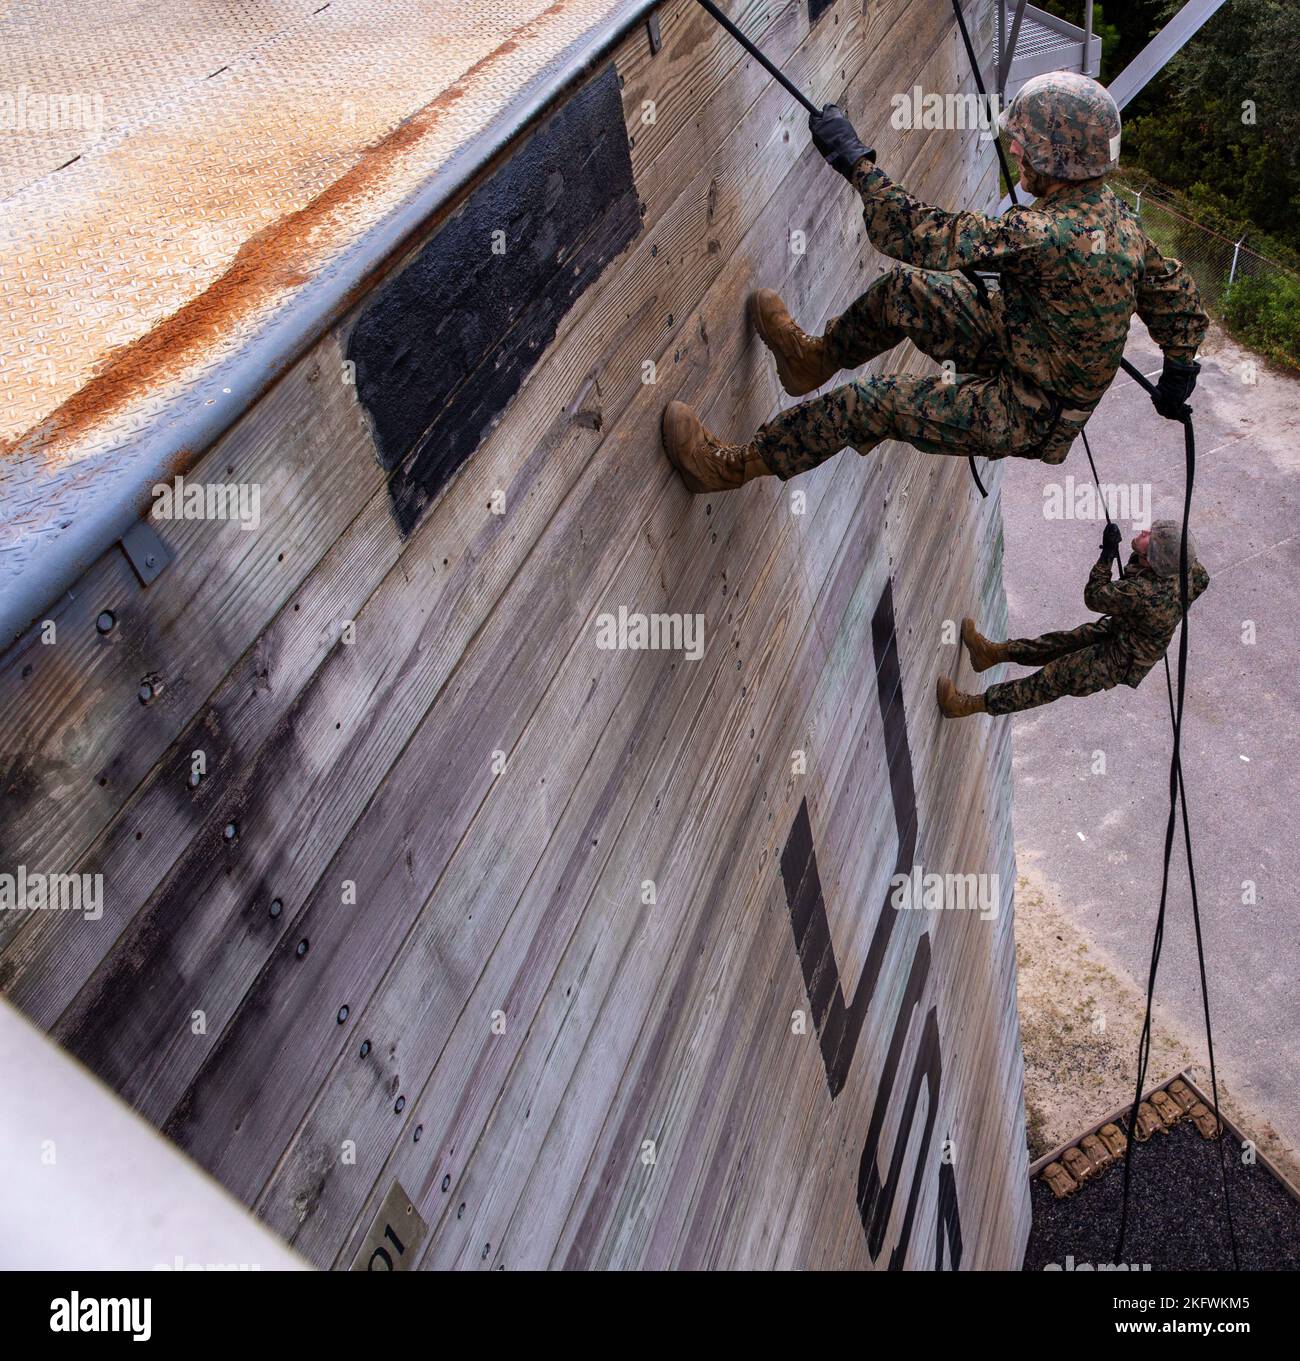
1176	1213
443	347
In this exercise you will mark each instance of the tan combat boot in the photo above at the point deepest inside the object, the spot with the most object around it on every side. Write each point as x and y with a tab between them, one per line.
954	704
802	362
705	463
984	652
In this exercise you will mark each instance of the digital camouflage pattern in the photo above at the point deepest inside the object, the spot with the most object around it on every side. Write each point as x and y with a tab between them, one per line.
1068	125
1145	607
1142	611
1164	547
1074	268
973	408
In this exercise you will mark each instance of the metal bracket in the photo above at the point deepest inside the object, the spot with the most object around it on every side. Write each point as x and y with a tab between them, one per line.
656	38
146	552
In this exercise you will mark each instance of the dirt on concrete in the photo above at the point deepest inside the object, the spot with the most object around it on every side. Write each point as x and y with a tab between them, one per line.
1080	1020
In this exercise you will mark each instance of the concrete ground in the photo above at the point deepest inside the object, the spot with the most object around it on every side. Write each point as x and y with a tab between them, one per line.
1090	843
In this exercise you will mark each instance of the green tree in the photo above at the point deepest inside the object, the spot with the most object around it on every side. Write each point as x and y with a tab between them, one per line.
1225	125
1073	11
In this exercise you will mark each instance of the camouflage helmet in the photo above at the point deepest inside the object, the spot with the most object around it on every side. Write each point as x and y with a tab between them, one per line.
1068	125
1165	548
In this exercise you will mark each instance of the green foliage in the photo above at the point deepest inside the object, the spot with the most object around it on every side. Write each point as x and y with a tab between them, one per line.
1215	211
1265	313
1073	11
1225	127
1224	215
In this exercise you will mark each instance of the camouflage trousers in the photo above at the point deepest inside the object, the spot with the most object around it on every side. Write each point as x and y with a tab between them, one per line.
976	407
1074	662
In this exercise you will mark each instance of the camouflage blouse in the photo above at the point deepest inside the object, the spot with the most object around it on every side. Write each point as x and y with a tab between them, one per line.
1074	267
1144	609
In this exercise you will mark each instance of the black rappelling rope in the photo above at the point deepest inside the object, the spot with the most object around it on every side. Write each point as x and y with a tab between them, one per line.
1006	175
984	95
770	67
1177	797
1177	793
1011	192
779	75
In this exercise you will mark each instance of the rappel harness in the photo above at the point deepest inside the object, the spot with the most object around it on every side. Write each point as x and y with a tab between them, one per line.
1177	792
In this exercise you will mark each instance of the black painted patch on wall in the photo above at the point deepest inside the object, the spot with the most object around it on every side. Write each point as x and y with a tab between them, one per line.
816	8
442	348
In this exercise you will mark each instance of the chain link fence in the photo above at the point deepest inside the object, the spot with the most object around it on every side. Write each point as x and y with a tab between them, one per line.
1255	298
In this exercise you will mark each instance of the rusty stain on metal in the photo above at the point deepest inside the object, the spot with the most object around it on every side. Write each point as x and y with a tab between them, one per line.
204	200
222	191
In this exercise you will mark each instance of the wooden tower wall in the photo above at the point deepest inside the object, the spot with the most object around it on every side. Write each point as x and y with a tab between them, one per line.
622	983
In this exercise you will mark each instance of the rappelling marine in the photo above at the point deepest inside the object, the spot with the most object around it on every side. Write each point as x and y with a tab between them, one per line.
1141	611
1025	364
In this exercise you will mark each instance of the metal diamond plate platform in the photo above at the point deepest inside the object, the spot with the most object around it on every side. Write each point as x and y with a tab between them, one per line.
1044	43
94	68
188	190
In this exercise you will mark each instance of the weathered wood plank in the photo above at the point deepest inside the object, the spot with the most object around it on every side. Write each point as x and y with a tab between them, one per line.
269	812
528	427
852	500
43	694
517	889
482	690
621	957
316	1205
534	488
349	1118
77	738
713	1063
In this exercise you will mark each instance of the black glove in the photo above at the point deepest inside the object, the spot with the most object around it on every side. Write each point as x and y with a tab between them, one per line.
834	137
1110	541
1174	388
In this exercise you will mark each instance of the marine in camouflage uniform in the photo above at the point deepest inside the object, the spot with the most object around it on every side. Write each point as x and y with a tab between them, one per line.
1026	364
1142	610
1029	366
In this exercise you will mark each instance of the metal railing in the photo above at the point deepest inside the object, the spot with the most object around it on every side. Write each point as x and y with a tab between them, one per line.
1031	41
